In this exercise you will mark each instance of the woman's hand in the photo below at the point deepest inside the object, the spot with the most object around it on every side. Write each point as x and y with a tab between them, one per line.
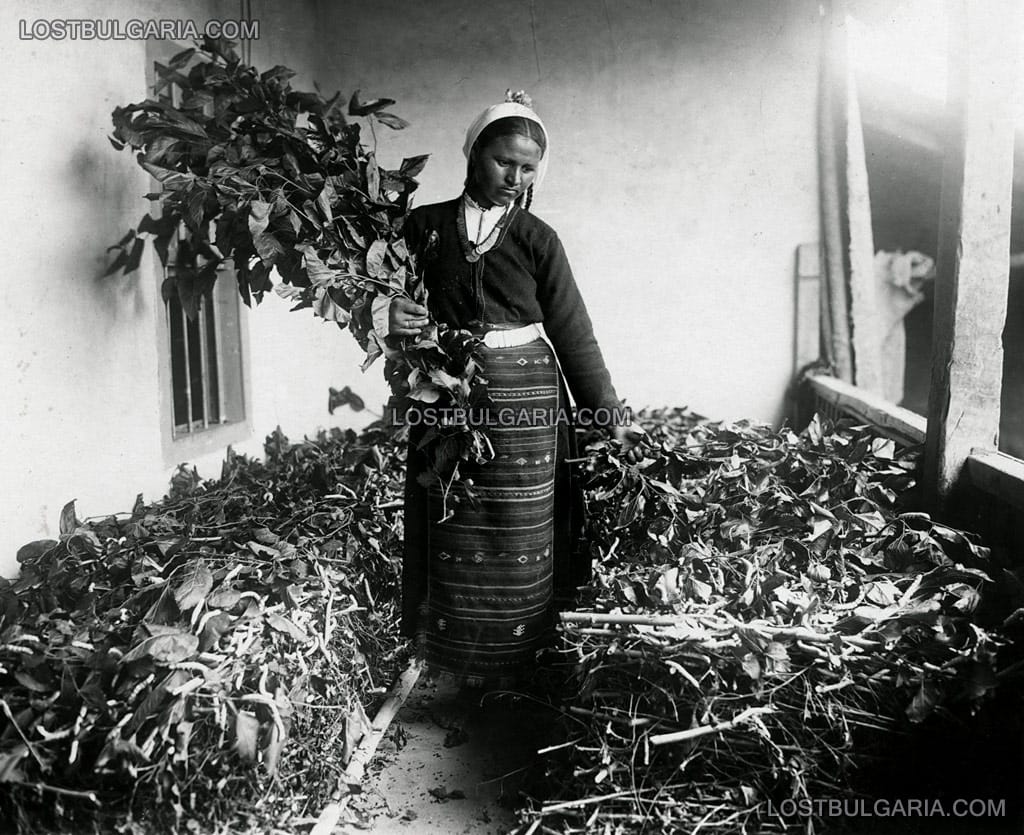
406	318
630	437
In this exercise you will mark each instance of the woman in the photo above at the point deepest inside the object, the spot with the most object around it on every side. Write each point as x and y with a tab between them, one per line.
479	588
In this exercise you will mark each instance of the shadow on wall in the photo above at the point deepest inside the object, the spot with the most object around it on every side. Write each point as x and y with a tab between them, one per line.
93	181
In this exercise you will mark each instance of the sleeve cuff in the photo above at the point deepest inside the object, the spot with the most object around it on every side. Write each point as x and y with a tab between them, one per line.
380	309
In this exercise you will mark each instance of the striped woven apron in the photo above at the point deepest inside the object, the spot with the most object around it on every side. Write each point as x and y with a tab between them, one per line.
489	567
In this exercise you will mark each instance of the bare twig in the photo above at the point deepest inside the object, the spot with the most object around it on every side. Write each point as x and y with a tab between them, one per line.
693	733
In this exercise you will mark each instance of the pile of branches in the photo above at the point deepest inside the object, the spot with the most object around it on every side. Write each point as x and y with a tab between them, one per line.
764	618
157	669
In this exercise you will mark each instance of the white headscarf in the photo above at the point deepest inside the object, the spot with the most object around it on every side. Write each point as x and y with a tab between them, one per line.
515	104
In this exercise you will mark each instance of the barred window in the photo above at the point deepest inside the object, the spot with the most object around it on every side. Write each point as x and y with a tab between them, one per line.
202	342
206	360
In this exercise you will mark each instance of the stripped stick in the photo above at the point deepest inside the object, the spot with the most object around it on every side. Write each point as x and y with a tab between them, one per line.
367	747
382	721
586	801
594	618
693	733
701	625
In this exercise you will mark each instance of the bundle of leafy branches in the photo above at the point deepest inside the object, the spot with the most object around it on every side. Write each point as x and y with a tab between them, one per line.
278	183
205	663
765	619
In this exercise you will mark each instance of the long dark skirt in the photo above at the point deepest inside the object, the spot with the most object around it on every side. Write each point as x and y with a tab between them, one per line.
479	588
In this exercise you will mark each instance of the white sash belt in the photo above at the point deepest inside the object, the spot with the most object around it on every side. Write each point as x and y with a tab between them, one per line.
511	338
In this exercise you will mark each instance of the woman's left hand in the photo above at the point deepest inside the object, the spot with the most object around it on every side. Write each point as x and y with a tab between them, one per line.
630	437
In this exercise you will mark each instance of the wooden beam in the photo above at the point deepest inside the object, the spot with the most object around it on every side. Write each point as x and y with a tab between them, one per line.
999	475
835	311
974	242
894	421
866	335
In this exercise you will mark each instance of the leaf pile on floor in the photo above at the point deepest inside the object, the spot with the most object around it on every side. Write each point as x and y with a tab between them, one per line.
156	667
762	618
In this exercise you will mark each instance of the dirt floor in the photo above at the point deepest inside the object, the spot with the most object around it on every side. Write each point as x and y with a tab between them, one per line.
451	763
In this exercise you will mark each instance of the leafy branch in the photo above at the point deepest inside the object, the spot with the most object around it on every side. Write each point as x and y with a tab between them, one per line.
276	182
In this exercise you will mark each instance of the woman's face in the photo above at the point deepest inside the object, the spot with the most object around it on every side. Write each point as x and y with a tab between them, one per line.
504	169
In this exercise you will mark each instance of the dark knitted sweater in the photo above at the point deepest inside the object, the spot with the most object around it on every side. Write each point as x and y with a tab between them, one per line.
525	278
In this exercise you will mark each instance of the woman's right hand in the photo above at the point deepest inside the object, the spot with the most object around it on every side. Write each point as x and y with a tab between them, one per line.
406	318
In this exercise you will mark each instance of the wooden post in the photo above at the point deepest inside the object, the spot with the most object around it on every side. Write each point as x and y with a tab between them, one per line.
864	314
835	310
974	242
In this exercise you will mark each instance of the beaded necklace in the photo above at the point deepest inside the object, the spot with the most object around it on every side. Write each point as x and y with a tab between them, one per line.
472	251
